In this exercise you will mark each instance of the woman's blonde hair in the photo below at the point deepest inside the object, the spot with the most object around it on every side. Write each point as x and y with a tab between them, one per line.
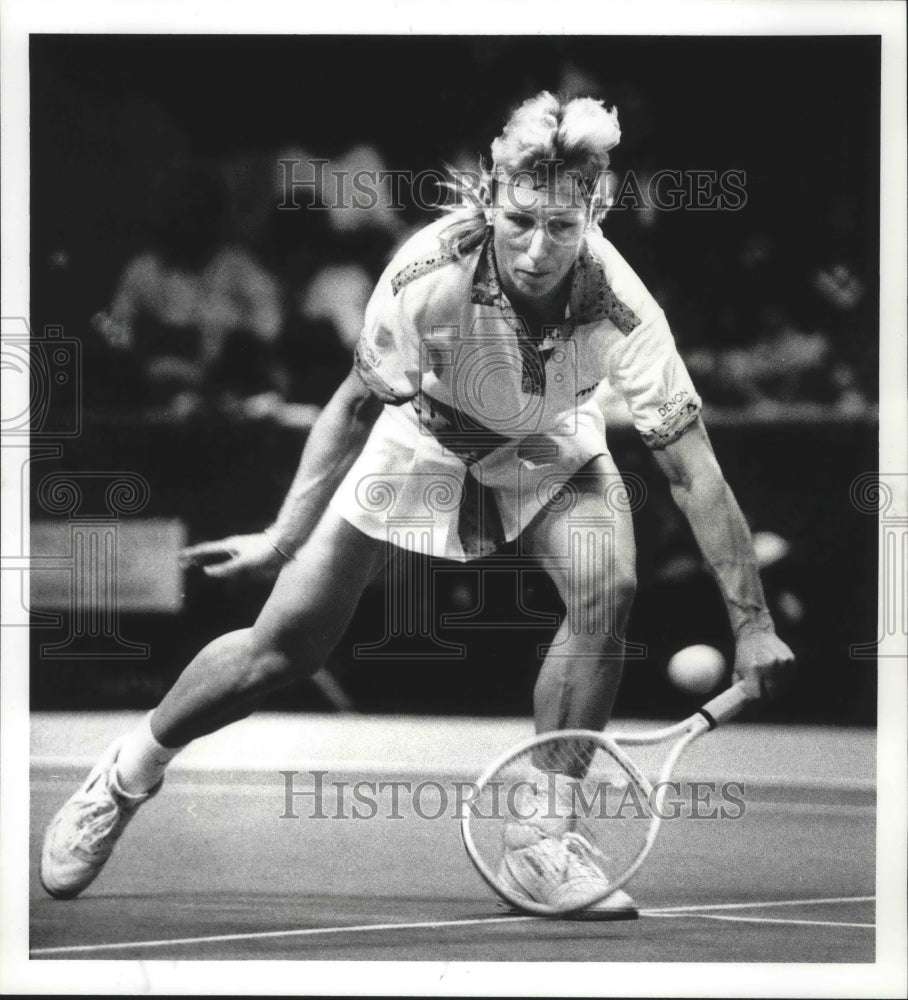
548	137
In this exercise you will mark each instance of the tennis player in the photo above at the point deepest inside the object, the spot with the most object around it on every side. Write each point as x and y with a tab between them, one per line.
470	418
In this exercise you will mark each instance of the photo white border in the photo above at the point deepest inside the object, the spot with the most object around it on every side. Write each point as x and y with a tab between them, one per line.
644	17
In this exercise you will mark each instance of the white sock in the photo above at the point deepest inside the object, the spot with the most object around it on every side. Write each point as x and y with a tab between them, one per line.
142	761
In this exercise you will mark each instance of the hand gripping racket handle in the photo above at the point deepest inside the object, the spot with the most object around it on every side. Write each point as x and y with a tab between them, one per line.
725	706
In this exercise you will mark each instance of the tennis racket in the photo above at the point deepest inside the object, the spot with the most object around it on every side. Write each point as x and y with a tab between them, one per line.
566	818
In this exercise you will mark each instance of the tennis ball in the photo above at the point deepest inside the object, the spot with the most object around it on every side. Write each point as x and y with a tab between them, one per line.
696	669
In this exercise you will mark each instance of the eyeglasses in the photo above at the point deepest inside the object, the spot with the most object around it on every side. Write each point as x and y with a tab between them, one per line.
564	228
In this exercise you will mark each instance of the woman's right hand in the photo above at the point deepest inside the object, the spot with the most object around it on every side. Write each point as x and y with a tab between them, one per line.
239	555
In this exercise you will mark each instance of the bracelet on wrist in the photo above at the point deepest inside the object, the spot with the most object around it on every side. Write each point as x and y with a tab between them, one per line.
275	546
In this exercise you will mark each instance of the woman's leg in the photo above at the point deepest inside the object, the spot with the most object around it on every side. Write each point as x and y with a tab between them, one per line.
587	546
308	611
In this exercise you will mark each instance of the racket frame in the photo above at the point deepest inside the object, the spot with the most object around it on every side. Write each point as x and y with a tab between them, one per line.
722	708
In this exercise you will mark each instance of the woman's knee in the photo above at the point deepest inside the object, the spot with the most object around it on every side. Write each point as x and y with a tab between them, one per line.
290	640
269	667
602	595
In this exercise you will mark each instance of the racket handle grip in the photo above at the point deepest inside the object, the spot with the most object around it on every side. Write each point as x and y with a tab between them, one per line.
725	706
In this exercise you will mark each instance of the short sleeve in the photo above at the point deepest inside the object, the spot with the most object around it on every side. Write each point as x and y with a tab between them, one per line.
644	365
387	354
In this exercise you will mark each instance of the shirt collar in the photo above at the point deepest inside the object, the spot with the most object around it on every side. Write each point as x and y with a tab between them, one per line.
486	287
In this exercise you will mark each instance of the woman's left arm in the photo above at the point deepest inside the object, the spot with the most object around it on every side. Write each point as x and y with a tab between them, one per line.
699	488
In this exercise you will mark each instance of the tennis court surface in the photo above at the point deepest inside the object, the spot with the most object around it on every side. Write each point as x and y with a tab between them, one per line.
222	865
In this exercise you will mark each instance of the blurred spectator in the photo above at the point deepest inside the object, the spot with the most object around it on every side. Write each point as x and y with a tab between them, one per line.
196	316
782	330
337	233
325	323
786	369
350	208
359	194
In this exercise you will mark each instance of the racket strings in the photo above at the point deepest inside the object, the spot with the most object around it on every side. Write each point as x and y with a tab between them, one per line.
570	795
569	756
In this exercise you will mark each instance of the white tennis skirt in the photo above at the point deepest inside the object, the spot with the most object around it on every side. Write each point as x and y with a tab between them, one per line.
407	489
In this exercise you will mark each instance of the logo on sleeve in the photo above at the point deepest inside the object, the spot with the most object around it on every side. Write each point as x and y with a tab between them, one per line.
669	405
368	354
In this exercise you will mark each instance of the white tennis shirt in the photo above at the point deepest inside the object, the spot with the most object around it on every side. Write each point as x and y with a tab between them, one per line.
467	388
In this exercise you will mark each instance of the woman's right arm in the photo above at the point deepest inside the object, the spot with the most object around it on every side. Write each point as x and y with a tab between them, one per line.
333	445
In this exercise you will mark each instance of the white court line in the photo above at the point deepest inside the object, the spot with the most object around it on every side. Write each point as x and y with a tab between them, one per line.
430	924
259	935
748	906
202	766
258	791
756	920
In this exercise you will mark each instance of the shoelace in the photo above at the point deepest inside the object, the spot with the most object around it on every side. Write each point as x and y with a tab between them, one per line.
580	850
556	851
95	826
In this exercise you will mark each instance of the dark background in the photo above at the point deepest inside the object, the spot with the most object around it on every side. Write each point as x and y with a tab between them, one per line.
110	115
799	115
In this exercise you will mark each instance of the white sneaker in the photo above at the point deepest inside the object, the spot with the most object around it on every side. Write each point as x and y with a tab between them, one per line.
82	836
584	879
562	872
